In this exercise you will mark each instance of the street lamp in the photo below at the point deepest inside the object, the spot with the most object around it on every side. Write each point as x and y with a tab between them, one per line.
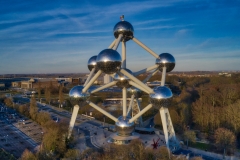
6	137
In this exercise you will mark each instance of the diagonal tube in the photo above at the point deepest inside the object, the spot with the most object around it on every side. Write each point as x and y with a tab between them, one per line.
117	42
145	47
124	63
105	86
149	76
130	104
124	99
138	86
90	76
102	111
163	76
112	44
134	79
145	70
91	81
140	113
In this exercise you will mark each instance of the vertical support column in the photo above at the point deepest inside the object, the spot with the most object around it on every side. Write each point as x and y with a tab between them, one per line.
163	76
124	100
124	64
169	133
73	119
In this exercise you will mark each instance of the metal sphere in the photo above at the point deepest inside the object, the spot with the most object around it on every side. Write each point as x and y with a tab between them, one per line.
76	93
134	91
122	80
92	63
125	28
166	60
109	61
161	97
123	127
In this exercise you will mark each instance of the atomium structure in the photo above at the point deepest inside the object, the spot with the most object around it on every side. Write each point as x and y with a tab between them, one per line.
110	62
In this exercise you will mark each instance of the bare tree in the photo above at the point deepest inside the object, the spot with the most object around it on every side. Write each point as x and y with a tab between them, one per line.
39	90
189	136
47	95
33	108
61	98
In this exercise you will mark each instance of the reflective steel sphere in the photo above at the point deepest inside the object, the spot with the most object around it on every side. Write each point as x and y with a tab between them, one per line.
122	80
109	61
76	93
125	28
134	91
161	97
166	60
123	127
92	63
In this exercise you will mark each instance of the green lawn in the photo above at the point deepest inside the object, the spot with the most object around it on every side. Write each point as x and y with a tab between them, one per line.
202	146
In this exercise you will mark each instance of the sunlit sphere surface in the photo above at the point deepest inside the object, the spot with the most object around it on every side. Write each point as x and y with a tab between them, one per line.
161	97
134	91
125	28
77	94
166	60
92	63
123	127
122	80
109	61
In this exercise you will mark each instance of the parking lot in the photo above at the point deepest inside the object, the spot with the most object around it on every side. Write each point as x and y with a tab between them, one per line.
14	141
17	133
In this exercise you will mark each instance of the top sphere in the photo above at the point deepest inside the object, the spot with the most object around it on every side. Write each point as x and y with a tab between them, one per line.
166	60
125	28
160	97
92	63
109	61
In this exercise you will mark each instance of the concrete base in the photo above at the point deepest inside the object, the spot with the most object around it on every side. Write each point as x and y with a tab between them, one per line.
121	140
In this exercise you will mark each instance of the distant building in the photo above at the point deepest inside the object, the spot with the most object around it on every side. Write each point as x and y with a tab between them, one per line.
225	74
16	84
35	83
154	83
2	85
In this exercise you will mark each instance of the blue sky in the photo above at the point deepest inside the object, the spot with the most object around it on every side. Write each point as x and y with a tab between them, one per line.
60	36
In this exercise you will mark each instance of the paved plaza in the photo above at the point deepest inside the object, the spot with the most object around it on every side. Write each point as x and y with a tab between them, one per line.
14	141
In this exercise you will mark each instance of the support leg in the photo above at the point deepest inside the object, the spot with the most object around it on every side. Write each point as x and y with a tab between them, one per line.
169	133
73	119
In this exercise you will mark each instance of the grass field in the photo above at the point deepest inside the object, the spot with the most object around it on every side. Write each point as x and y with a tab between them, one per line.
202	146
